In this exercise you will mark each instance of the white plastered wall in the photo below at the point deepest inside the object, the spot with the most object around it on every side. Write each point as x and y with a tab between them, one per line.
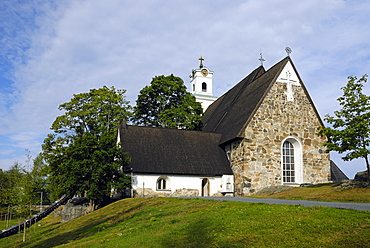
217	184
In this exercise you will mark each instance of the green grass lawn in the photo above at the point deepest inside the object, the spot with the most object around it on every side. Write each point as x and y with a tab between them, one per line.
323	192
171	222
5	224
14	219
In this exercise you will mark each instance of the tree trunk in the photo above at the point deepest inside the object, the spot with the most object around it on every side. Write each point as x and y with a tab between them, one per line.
368	169
91	206
24	231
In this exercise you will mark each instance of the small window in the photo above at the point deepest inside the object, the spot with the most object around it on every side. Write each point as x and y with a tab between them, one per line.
163	183
193	87
228	185
204	87
228	154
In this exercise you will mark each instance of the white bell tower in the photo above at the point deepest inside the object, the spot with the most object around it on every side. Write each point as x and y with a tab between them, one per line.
201	85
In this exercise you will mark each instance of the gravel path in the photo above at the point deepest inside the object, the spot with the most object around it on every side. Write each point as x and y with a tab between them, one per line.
356	206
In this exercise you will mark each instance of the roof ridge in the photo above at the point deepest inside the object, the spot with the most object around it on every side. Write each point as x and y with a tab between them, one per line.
280	64
254	74
167	128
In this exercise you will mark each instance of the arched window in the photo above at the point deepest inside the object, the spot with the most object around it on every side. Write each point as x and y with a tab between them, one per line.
204	87
163	183
288	162
291	161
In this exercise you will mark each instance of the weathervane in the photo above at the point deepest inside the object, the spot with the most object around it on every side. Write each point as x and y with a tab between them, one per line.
288	50
201	59
261	59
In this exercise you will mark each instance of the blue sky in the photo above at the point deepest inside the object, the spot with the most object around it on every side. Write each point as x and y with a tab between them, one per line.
51	50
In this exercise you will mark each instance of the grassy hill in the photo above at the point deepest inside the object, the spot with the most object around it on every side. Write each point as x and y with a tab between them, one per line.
322	192
171	222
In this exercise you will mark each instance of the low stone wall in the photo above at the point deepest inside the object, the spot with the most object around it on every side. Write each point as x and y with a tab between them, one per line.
352	184
148	192
186	192
71	210
274	189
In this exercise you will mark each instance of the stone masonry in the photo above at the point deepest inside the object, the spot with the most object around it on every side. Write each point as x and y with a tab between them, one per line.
71	211
256	159
148	192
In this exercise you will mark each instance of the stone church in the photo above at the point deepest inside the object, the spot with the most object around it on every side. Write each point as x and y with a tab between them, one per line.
260	133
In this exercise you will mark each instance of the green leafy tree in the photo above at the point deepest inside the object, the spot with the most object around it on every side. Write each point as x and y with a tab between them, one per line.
166	103
3	183
3	187
350	131
20	188
39	177
16	190
11	191
12	184
82	152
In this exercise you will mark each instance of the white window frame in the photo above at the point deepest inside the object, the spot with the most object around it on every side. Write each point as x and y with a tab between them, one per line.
298	164
204	87
163	187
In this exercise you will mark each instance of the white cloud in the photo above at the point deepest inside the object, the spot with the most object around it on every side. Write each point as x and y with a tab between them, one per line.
6	152
69	47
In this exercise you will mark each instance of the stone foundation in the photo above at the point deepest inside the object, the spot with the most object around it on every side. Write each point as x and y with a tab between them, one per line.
186	192
148	192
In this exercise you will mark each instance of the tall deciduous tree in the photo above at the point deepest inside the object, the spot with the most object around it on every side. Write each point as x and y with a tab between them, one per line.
166	103
39	174
11	185
20	188
350	131
82	152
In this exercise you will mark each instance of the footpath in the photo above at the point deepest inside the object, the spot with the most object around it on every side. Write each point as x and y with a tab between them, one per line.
345	205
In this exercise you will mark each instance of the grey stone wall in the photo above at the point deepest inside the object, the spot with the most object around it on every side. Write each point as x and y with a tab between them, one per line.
71	211
256	159
148	192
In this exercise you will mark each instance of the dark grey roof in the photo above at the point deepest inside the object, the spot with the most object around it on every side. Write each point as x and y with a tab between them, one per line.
173	151
231	113
336	173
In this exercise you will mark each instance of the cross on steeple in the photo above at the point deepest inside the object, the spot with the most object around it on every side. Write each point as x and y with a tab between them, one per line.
201	59
261	59
288	50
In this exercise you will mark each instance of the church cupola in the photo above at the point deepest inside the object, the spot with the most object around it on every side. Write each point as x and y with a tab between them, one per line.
201	85
201	80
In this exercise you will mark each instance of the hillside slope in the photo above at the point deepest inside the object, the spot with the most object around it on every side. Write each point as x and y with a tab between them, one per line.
171	222
345	191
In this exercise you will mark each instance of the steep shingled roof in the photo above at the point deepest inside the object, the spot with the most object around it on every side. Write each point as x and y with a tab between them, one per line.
230	114
173	151
336	173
